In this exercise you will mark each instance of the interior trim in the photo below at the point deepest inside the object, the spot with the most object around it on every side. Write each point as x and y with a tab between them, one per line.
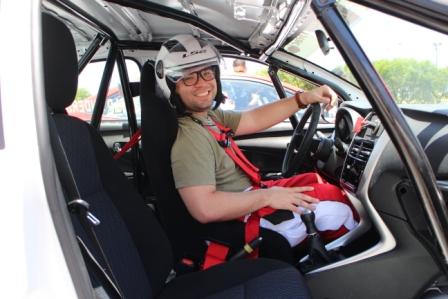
295	14
387	241
443	185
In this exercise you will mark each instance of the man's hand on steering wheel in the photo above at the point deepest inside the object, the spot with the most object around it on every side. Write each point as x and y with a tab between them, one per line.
322	94
300	143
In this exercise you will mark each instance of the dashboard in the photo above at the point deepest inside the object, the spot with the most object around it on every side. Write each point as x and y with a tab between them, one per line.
357	154
367	166
357	130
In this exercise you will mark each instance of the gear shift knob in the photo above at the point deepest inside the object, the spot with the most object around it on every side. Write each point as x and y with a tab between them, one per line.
317	252
308	218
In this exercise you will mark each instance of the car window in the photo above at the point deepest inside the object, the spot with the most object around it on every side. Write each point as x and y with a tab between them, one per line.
293	82
247	85
134	77
308	46
114	108
88	84
411	59
244	94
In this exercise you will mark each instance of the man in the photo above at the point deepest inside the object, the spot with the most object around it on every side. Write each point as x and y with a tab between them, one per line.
212	186
239	66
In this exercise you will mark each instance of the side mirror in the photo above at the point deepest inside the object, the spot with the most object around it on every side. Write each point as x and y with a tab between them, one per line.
323	40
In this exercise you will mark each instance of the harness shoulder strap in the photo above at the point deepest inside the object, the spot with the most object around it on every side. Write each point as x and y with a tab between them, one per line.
225	138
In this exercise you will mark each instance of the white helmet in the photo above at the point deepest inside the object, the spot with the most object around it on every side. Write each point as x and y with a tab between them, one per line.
179	54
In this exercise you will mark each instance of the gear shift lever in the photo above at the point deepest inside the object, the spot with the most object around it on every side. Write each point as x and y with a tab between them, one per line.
317	252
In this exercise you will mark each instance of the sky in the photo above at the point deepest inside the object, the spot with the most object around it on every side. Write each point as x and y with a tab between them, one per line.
393	38
384	37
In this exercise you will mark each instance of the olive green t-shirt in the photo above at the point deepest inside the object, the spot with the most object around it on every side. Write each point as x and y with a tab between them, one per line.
197	159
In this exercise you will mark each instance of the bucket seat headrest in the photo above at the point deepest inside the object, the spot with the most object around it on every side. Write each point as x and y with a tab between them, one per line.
60	63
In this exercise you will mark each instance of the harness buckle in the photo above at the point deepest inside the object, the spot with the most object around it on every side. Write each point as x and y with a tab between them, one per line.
224	143
92	218
229	134
82	206
225	139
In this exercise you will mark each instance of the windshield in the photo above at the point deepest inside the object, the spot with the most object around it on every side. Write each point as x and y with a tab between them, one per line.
306	45
411	59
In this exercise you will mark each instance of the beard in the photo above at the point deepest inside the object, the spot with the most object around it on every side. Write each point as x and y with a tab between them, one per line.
199	108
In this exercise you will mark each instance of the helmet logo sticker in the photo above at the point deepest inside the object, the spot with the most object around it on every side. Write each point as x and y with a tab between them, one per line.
159	69
194	53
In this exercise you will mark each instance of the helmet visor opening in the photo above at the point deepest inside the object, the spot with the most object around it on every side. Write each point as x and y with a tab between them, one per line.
207	74
180	73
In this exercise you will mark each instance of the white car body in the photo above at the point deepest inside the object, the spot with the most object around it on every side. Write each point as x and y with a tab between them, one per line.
31	259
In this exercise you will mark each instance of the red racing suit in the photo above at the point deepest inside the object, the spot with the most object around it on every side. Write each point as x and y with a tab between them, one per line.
323	191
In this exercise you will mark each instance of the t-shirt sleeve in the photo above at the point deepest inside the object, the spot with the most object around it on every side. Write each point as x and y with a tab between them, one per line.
192	160
228	118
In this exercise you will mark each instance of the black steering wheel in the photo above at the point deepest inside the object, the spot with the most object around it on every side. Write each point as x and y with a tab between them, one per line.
300	143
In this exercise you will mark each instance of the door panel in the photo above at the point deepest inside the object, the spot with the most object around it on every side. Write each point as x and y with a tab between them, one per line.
267	149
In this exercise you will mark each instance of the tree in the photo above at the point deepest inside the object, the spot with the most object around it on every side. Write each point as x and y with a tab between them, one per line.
411	81
290	79
81	94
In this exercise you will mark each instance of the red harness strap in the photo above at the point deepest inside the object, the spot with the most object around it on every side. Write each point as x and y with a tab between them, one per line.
224	138
321	190
133	141
215	255
252	228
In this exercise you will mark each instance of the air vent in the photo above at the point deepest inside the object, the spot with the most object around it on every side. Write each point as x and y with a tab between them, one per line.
355	163
361	150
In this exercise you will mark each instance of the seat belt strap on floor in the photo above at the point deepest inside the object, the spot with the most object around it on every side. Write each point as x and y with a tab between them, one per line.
88	222
216	254
131	143
252	227
81	208
100	272
252	231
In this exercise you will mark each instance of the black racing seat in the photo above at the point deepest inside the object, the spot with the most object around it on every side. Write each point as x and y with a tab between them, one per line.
135	245
159	129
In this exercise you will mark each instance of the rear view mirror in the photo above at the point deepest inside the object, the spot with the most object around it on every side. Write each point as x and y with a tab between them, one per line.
323	40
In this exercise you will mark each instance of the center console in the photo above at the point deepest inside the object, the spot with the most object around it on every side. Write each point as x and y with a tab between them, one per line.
359	152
